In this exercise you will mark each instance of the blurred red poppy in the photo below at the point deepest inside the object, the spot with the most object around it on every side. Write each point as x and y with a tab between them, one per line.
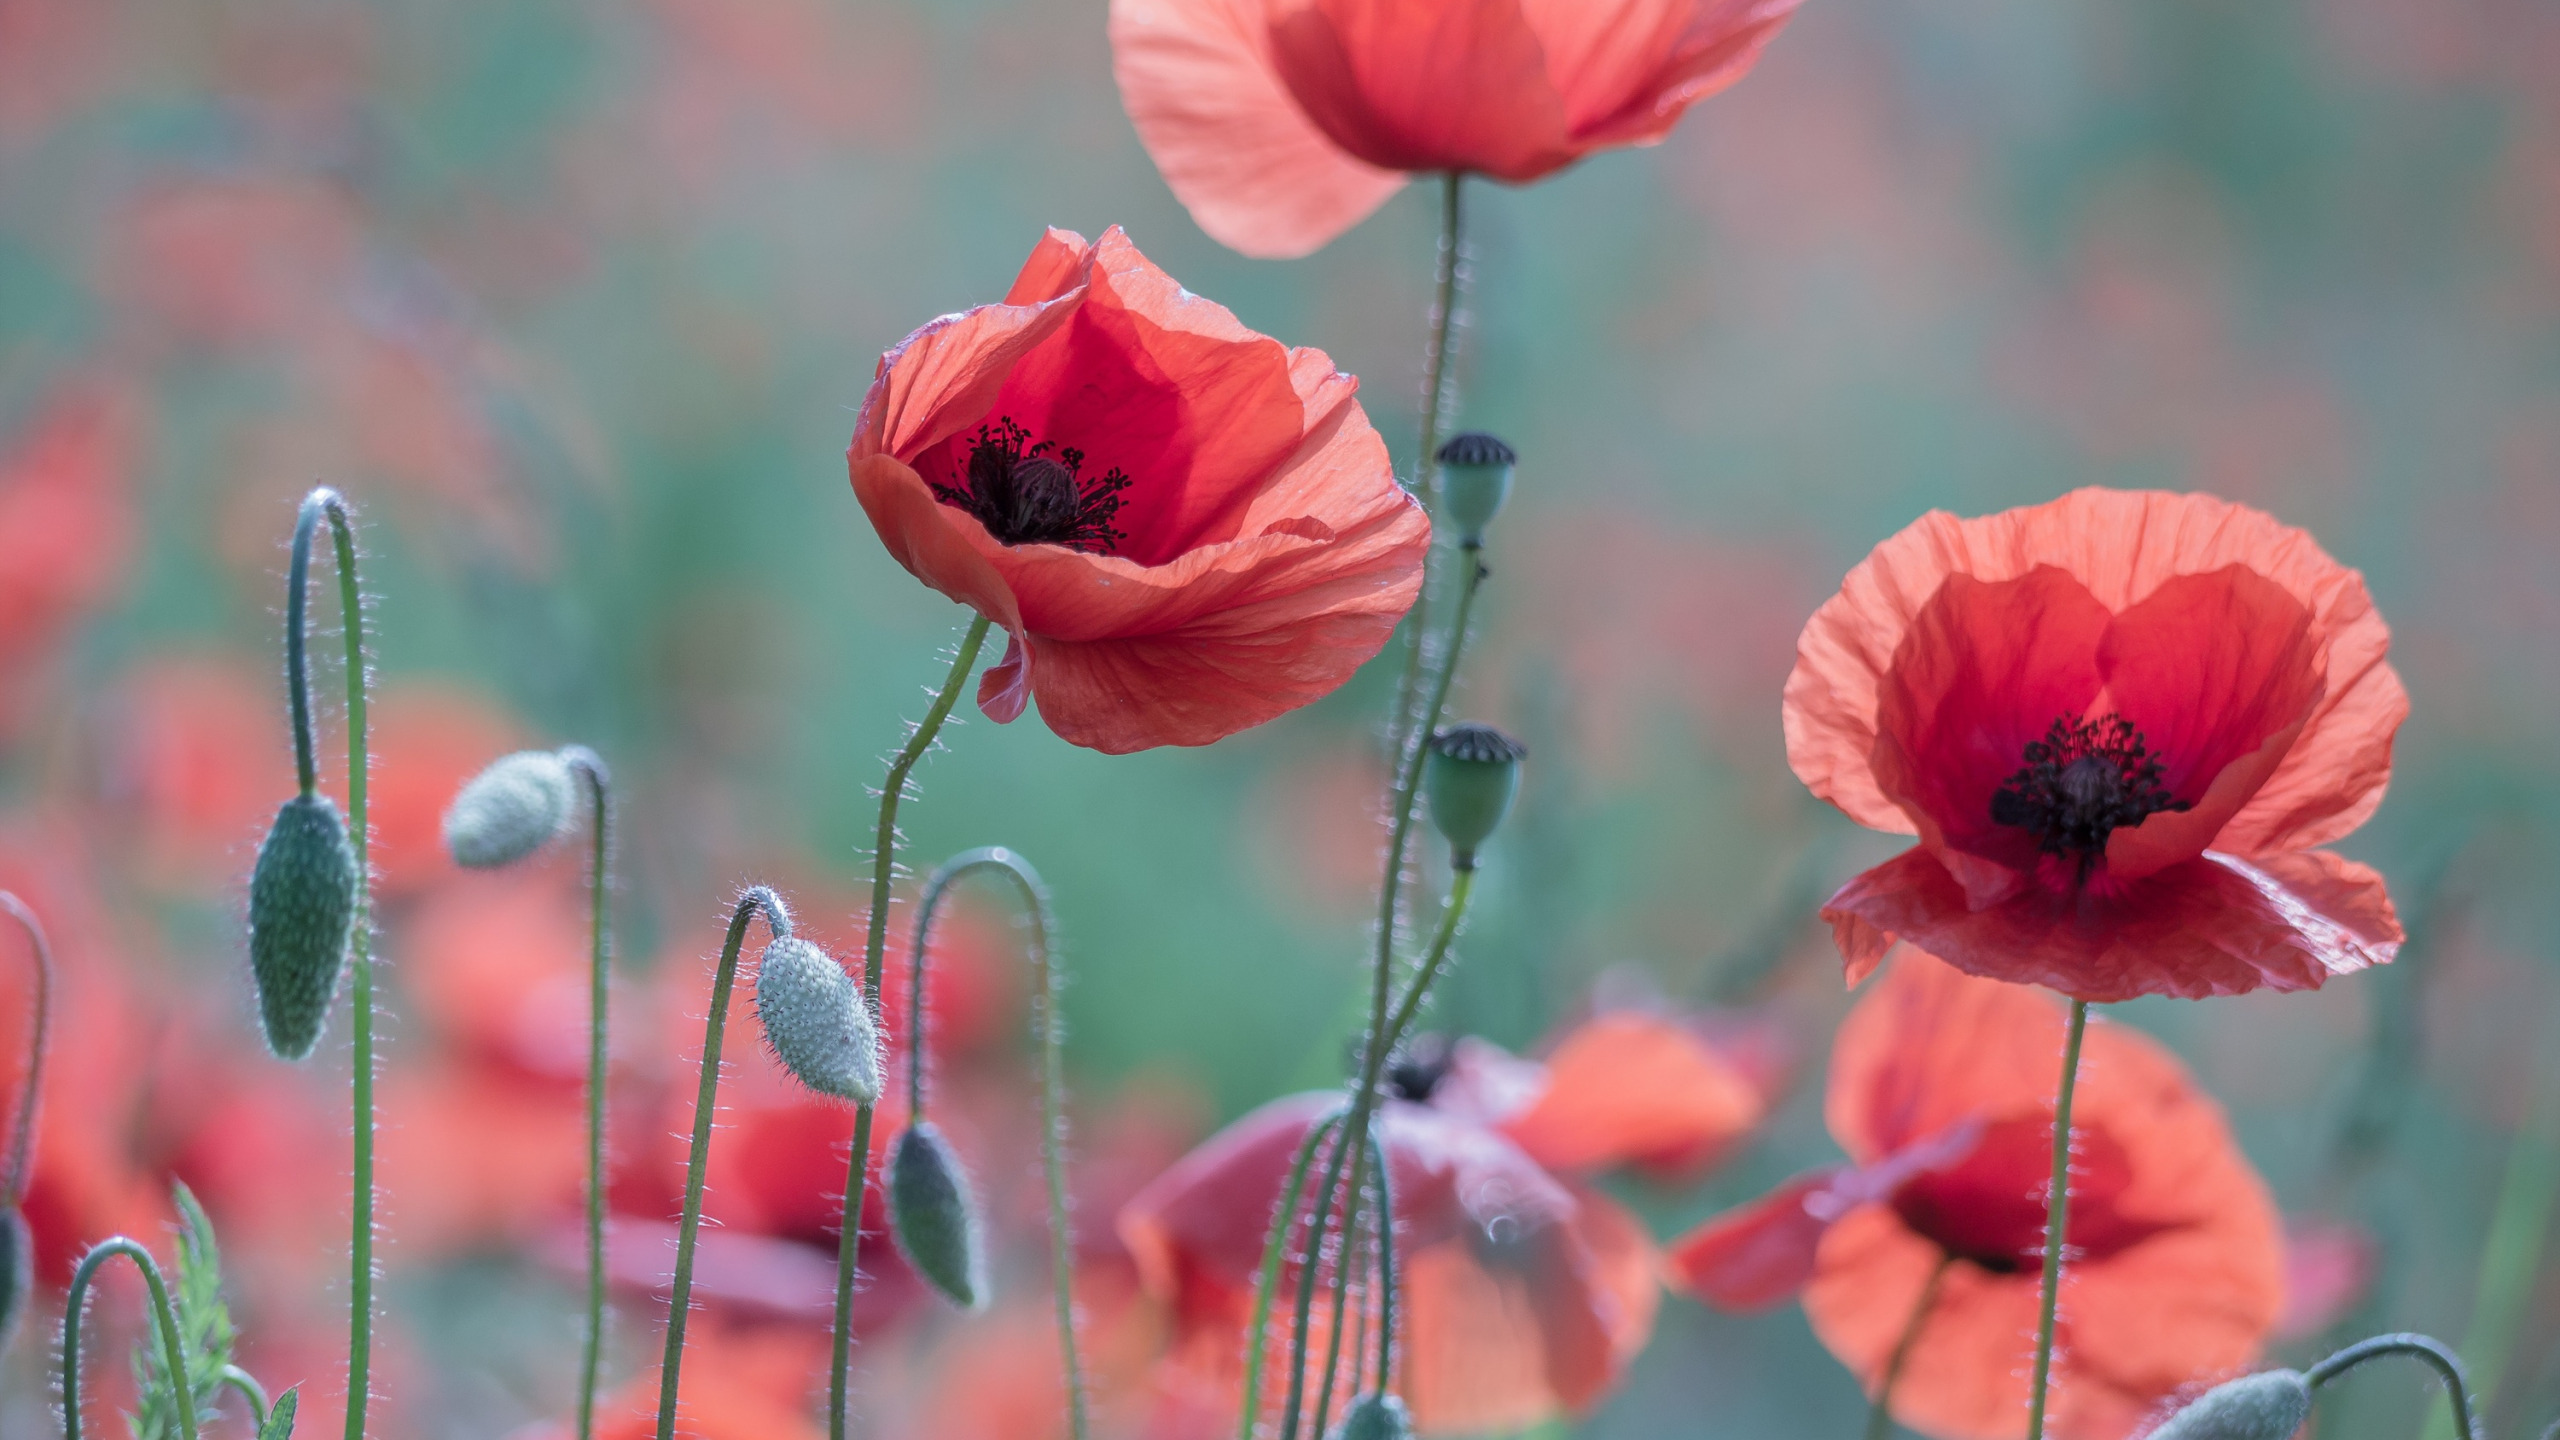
1523	1293
1283	123
65	522
2118	723
1940	1091
740	1383
1185	528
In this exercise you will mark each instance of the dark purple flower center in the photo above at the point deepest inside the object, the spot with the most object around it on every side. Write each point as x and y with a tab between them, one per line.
1418	1066
1027	494
2080	782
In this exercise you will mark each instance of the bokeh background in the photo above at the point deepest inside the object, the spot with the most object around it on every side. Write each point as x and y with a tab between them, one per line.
575	300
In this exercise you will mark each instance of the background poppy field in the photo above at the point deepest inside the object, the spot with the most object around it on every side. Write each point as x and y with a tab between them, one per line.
575	301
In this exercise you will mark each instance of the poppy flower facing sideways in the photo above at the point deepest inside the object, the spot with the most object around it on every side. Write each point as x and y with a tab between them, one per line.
2119	724
1522	1292
1185	528
1940	1091
1282	123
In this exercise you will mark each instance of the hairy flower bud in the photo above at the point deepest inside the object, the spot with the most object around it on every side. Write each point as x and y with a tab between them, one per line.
302	903
815	1023
935	1218
17	1264
510	810
1475	479
1376	1417
1473	772
2270	1405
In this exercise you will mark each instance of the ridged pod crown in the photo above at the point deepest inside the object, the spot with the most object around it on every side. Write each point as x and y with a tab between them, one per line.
2270	1405
815	1022
1475	480
302	905
1473	772
511	809
17	1263
935	1218
1376	1417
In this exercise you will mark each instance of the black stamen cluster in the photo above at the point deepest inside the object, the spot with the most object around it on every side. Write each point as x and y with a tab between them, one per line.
1027	494
1418	1067
2080	782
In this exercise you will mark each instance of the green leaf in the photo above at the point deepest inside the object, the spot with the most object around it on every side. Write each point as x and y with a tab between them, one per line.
279	1424
205	1334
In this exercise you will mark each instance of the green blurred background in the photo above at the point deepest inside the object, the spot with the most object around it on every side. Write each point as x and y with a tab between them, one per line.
576	300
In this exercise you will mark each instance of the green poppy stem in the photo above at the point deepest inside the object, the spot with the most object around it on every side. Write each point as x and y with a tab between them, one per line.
600	965
1880	1416
1449	274
1275	1250
884	869
253	1394
164	1315
22	1132
2057	1219
2446	1364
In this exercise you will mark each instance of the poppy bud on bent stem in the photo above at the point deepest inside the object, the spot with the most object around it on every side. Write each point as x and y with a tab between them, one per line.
1473	772
1475	480
302	899
510	810
935	1218
2270	1405
816	1023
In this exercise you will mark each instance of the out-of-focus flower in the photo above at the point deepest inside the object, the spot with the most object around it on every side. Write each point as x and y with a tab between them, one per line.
427	740
2118	723
1941	1092
2328	1268
1283	123
1524	1293
194	757
1185	528
65	522
740	1383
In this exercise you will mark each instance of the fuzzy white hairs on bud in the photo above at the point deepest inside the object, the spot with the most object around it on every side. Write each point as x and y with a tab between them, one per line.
511	809
815	1022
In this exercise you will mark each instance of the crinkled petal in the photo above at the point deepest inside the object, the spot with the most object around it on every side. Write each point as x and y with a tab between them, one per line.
1758	1254
1628	68
943	378
1453	85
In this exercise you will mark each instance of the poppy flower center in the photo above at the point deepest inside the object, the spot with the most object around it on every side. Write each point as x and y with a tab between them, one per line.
2080	782
1032	494
1416	1070
1989	1208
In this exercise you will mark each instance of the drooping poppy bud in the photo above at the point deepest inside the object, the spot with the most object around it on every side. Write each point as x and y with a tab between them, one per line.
302	903
935	1218
815	1023
2270	1405
1376	1417
1475	479
1473	772
17	1267
510	810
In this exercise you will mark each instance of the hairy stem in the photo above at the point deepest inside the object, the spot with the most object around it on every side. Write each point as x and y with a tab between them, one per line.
884	868
706	1099
2057	1219
251	1393
2434	1352
1275	1251
164	1316
600	967
1880	1417
1449	273
22	1132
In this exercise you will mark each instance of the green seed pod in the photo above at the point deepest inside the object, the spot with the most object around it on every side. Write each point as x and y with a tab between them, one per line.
815	1023
1376	1417
510	810
1473	772
936	1218
1475	479
2270	1405
17	1265
302	905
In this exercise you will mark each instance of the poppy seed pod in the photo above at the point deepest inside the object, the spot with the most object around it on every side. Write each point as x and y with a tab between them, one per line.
1475	480
1473	772
302	903
1376	1417
2270	1405
510	810
815	1023
936	1218
17	1264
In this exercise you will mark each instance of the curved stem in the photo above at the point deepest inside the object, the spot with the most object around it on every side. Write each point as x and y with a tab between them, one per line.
1275	1250
236	1379
1450	271
600	966
1347	1297
325	501
1386	1264
1301	1315
884	869
2057	1219
706	1099
2427	1348
22	1134
1880	1417
1053	1077
173	1349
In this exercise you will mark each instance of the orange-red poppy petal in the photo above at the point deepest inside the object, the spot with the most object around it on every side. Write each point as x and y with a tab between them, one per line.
1627	1087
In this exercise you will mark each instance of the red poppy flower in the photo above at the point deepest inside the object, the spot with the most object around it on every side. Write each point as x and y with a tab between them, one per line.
1941	1092
2118	722
1186	528
1282	123
1523	1293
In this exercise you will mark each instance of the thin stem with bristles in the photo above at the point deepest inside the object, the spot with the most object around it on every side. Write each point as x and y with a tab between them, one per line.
251	1393
164	1315
599	974
1449	273
884	868
1386	1263
1053	1077
1275	1251
318	503
2057	1220
1880	1416
1302	1312
2437	1355
22	1132
706	1099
